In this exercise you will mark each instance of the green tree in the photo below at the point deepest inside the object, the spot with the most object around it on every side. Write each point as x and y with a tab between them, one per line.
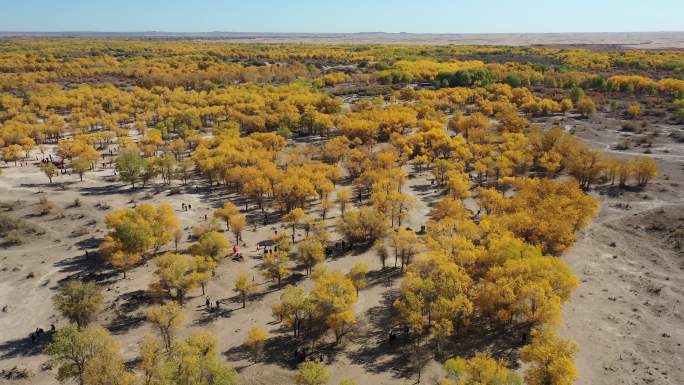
136	237
212	244
80	166
130	166
243	287
357	274
166	318
193	361
90	356
479	370
294	218
49	169
312	373
226	212
180	273
275	266
311	252
79	302
576	94
237	226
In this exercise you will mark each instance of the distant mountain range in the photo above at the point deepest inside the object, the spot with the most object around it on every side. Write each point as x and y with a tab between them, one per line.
649	40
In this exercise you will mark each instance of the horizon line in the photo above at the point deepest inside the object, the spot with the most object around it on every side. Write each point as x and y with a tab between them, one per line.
330	33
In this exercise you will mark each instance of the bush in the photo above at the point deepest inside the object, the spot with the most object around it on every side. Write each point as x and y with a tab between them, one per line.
203	228
284	132
8	223
79	232
103	206
678	136
629	127
14	231
621	146
9	206
14	238
45	207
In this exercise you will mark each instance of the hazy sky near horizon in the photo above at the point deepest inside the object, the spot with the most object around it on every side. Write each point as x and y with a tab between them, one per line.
426	16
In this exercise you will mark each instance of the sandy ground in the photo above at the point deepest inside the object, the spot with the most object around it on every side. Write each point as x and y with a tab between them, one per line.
626	316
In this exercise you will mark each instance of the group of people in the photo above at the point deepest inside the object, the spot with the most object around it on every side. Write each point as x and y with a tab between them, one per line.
270	250
210	309
35	336
338	248
186	207
58	163
300	355
393	334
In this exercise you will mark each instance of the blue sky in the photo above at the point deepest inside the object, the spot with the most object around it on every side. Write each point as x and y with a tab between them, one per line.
427	16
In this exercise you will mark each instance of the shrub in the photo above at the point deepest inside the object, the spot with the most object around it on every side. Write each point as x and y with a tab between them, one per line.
629	127
103	206
203	228
8	223
14	238
45	206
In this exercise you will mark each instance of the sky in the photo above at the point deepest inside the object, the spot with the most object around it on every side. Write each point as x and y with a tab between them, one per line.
342	16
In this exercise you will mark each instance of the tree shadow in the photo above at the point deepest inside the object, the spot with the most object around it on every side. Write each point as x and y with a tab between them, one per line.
89	243
501	341
257	219
25	347
109	189
259	295
237	353
53	185
85	268
132	365
384	276
615	191
423	188
377	354
209	316
280	350
128	316
265	243
340	249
